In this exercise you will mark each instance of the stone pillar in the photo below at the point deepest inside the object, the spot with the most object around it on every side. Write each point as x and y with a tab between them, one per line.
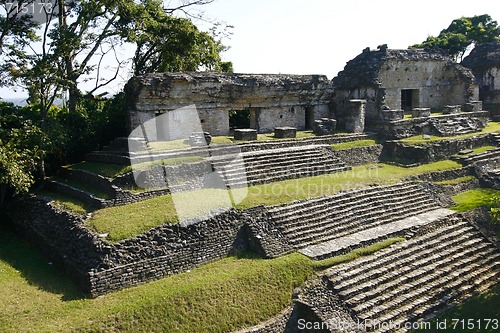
355	116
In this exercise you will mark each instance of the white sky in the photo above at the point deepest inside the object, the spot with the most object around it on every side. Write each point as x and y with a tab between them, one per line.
320	36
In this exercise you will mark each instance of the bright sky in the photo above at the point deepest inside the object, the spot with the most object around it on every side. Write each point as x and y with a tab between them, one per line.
320	36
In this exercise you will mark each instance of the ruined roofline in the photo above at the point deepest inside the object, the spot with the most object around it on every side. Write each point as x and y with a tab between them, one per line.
244	79
363	70
483	57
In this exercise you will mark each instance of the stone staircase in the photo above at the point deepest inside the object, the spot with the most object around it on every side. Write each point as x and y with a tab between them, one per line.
418	278
266	166
310	222
488	155
496	139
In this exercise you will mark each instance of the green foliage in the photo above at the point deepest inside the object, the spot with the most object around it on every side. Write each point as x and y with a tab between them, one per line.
462	33
22	144
494	205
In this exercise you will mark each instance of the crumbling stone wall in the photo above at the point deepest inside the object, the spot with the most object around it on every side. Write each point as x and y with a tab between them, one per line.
484	61
273	100
98	266
379	76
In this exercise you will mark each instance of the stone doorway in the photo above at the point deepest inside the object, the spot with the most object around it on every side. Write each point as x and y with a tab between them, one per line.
309	121
409	99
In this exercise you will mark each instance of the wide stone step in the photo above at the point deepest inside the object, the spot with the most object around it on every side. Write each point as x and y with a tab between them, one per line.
487	155
341	198
300	167
304	237
454	228
405	253
354	208
242	179
462	281
409	276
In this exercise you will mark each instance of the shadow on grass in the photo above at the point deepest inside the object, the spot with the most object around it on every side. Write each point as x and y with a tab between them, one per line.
33	267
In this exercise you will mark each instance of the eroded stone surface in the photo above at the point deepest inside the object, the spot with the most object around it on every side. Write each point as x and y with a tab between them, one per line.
274	100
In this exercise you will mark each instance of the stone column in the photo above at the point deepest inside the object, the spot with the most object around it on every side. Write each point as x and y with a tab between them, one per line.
355	116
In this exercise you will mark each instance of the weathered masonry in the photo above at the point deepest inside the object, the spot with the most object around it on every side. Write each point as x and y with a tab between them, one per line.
484	61
271	100
401	80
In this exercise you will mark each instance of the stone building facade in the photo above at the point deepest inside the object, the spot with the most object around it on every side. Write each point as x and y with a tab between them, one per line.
484	61
401	80
272	100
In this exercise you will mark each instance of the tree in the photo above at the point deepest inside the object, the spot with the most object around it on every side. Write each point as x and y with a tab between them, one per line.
77	38
86	32
21	145
461	34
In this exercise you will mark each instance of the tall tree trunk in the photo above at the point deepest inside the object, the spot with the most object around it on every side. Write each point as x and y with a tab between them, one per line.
3	191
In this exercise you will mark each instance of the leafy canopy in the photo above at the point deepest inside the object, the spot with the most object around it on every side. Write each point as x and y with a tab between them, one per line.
462	33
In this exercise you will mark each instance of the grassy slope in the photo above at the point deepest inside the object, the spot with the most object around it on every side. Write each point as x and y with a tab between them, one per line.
354	144
122	222
218	297
481	197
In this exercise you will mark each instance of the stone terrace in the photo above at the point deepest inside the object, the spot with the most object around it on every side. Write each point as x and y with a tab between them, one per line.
272	165
329	219
418	278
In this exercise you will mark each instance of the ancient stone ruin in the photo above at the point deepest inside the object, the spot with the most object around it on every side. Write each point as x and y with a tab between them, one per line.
272	100
445	259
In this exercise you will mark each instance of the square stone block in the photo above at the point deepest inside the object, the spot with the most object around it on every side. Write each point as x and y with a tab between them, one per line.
285	132
421	112
452	109
245	134
392	115
473	106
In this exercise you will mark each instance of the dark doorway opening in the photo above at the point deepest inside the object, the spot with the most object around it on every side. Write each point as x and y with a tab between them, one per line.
409	99
309	121
239	118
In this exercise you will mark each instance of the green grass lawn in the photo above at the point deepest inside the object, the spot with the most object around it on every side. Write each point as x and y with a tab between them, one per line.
481	197
354	144
456	181
417	139
70	204
104	169
218	297
479	150
122	222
